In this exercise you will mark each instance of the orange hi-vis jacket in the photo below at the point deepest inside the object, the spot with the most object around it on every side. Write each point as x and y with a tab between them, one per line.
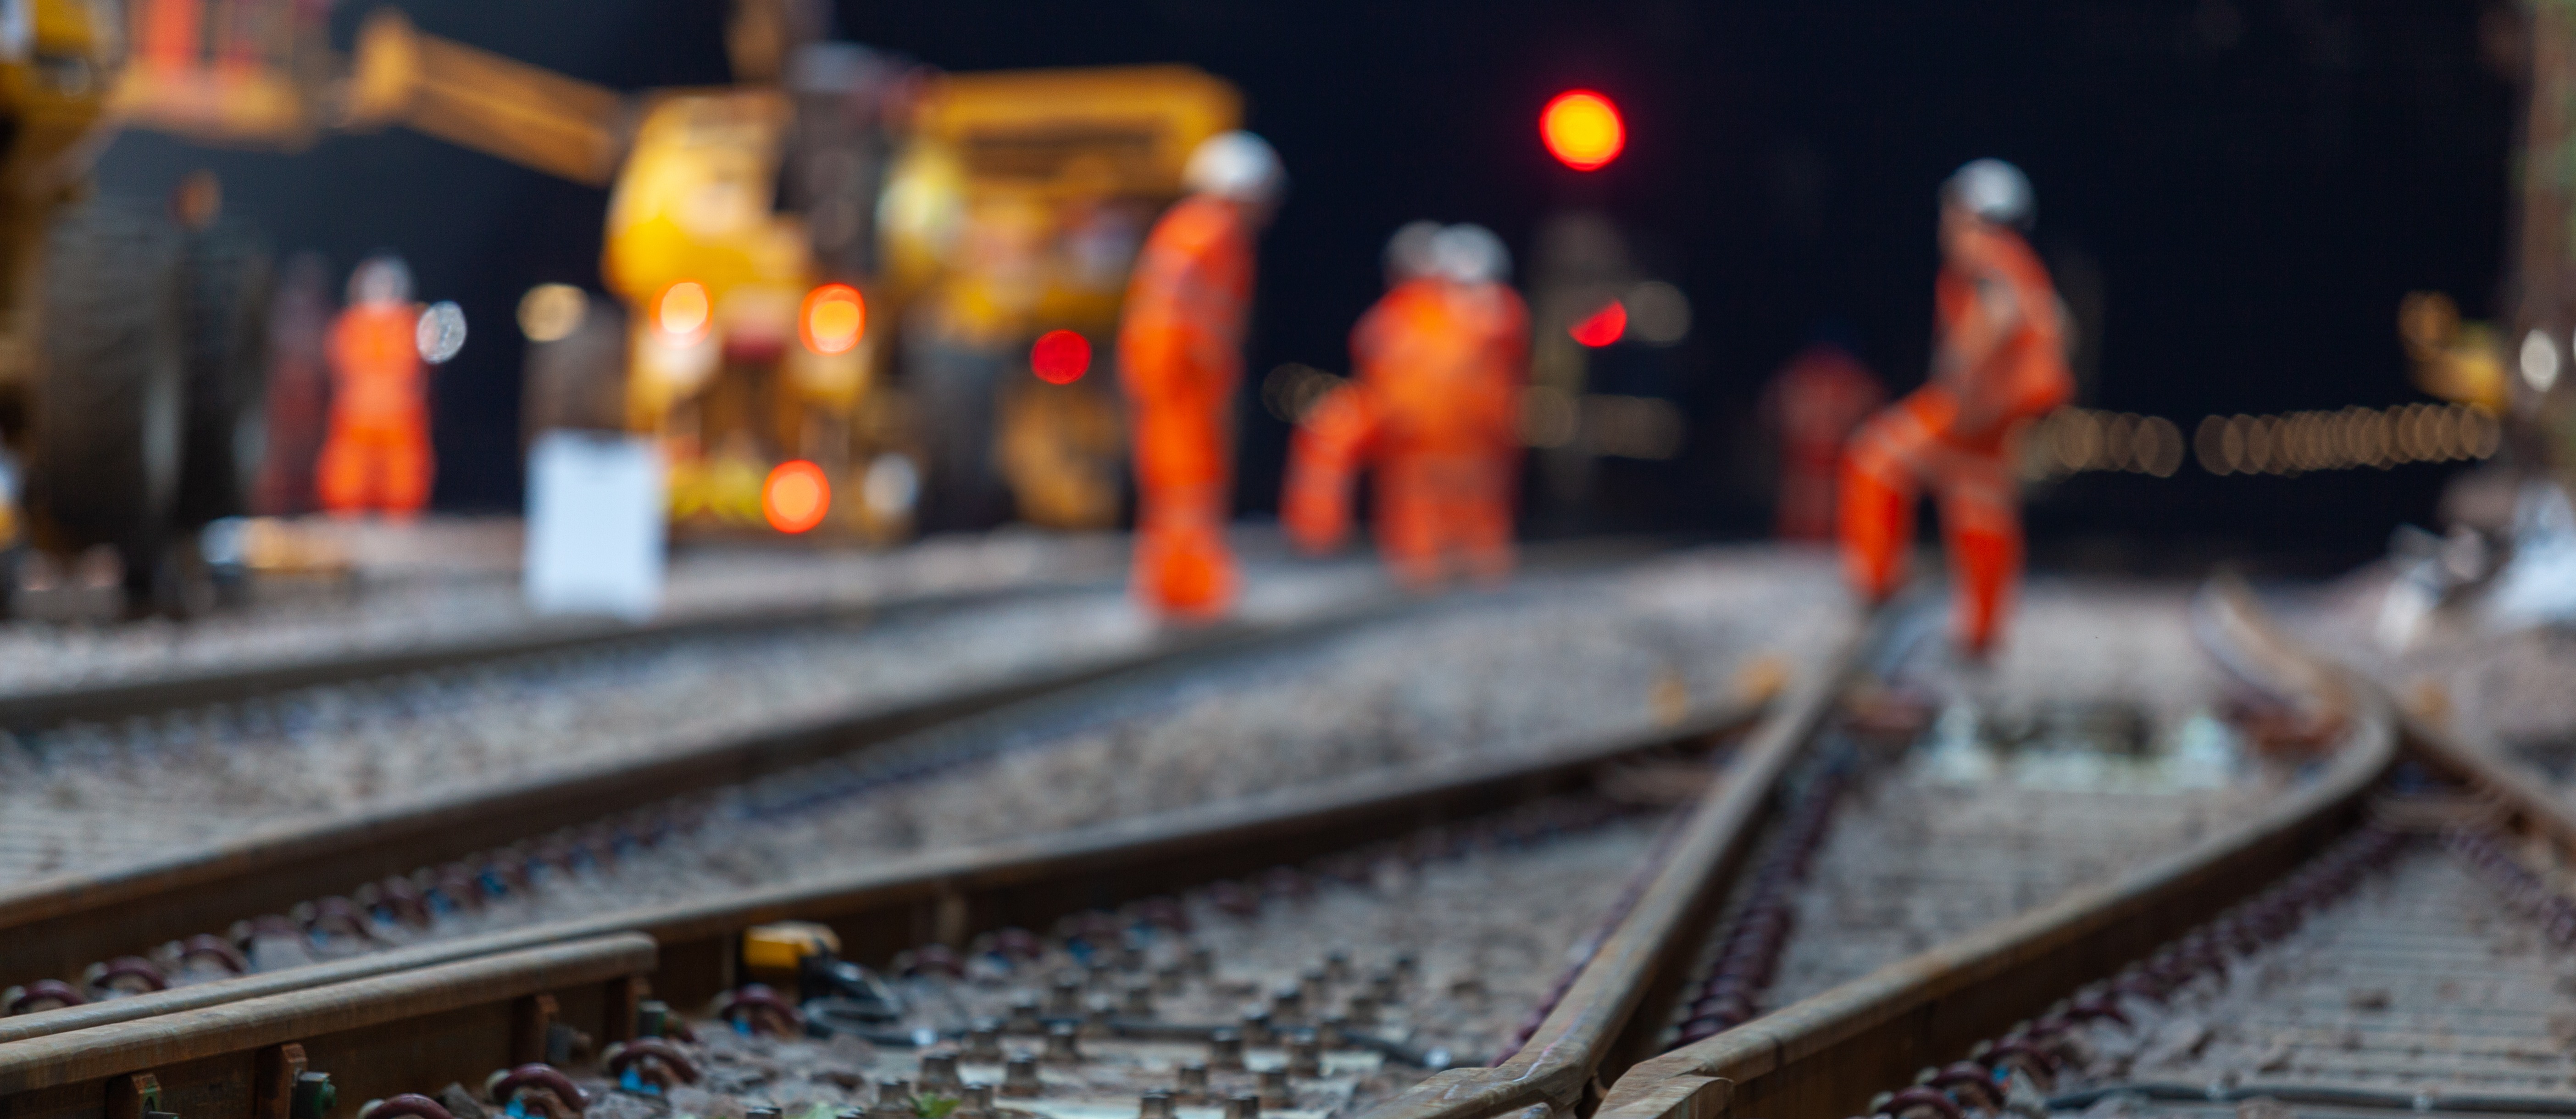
1435	411
2000	360
1180	356
377	453
1998	368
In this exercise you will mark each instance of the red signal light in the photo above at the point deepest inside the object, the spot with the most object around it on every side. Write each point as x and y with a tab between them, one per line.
1060	357
833	318
1603	327
683	311
796	496
1582	129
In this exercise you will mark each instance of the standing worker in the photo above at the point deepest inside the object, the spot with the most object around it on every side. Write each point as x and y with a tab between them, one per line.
1180	355
377	456
1999	360
1440	361
1812	407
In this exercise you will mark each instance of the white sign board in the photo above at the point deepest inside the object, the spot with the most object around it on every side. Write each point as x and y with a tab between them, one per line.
596	525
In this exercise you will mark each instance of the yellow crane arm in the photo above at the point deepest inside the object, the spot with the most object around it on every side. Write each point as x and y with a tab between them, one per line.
477	99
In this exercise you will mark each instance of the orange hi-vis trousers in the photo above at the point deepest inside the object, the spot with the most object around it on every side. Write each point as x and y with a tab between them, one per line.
1179	357
1891	458
385	468
376	455
1183	567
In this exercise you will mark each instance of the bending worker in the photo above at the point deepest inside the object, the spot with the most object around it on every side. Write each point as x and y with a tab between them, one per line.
1180	355
376	455
1999	360
1435	411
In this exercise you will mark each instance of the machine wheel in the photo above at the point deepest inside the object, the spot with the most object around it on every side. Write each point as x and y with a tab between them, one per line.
110	407
227	283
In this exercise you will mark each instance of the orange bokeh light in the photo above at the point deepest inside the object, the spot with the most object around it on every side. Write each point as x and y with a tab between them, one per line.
1060	357
796	496
834	318
1602	327
1582	129
683	310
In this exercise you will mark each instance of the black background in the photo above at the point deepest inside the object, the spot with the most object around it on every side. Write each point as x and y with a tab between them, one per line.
2255	182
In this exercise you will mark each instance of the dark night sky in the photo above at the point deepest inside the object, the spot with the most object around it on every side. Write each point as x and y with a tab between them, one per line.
2257	182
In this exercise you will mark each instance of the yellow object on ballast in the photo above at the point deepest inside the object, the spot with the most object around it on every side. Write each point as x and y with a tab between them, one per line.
775	951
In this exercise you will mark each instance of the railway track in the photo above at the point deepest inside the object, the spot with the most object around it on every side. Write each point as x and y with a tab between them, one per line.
2389	939
1557	820
87	797
91	920
408	619
1873	841
1116	1003
32	712
1556	825
190	865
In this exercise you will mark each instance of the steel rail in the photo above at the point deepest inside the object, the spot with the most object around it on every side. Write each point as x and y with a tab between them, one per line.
410	1019
374	1036
1620	996
23	712
948	896
1828	1055
56	926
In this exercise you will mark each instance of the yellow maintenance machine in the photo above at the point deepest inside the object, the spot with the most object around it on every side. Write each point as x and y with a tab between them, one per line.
774	247
769	242
1017	208
130	335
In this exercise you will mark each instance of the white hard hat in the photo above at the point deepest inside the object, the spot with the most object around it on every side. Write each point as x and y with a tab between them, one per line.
1994	190
1236	165
382	278
1471	254
1409	253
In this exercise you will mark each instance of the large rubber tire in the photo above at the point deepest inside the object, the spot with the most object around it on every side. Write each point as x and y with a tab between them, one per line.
110	402
229	279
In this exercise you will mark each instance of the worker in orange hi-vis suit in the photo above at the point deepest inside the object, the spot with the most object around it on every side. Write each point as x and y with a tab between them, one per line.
1813	406
1434	410
1999	360
376	456
1180	355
